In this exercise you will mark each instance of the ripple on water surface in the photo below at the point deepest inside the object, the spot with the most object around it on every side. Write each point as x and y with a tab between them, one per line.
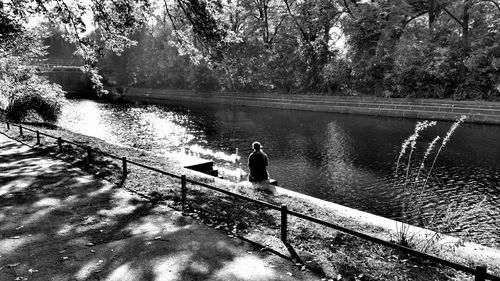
346	159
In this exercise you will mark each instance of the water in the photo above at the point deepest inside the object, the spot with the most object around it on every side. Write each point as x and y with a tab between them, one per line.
346	159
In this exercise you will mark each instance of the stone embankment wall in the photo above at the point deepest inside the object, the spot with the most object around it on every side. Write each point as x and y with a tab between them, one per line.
477	111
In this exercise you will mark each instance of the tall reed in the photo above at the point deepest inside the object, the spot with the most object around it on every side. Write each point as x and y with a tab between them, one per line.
413	186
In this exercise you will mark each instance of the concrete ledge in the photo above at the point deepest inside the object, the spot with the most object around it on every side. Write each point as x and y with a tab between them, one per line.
448	247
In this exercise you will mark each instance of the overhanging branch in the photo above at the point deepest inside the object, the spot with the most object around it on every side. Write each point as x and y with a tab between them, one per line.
304	34
449	13
173	23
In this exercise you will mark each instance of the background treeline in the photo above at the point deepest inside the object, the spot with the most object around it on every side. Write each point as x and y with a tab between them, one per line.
392	48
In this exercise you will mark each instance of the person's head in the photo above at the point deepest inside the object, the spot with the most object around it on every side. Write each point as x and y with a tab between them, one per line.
256	145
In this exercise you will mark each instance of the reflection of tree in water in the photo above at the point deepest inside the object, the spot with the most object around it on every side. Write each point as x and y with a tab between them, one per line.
338	161
350	181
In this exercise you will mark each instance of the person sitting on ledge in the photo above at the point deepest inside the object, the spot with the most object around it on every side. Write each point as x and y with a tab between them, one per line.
257	162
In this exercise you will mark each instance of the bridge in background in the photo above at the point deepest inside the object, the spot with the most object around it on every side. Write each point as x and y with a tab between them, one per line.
66	72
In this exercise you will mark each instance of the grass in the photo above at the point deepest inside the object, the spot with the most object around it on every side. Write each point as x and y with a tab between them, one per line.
330	253
414	181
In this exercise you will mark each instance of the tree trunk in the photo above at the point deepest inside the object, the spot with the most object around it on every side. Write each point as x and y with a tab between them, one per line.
432	12
326	39
465	40
266	22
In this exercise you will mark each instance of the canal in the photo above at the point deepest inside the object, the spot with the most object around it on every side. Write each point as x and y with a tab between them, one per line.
346	159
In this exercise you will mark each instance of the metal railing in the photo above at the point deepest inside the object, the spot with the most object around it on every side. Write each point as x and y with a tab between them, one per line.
480	272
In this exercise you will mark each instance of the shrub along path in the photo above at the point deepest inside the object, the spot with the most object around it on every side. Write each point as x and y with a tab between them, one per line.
60	223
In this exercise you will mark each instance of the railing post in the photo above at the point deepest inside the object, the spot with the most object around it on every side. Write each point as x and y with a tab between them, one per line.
20	130
124	164
37	137
59	143
480	273
8	126
284	223
183	191
89	155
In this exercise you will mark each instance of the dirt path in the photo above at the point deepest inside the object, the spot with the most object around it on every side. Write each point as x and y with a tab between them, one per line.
59	223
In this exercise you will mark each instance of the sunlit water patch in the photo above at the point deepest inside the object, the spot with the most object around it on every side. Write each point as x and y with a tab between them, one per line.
87	117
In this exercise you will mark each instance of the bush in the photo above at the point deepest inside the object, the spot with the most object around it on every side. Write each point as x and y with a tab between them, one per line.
48	109
34	94
22	89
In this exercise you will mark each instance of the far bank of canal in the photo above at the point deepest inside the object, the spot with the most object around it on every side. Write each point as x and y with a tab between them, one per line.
477	111
346	159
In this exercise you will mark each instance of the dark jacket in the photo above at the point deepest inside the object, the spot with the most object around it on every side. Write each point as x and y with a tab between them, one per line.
257	162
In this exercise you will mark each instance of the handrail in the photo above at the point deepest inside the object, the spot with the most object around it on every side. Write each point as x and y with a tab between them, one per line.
480	272
153	169
385	243
26	128
271	206
44	134
73	143
108	154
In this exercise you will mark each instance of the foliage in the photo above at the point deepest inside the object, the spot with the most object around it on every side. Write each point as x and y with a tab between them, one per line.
21	88
395	48
201	79
407	49
116	19
426	49
337	76
153	62
45	103
57	45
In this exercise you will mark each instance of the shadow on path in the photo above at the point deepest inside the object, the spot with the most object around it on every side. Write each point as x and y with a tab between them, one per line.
59	223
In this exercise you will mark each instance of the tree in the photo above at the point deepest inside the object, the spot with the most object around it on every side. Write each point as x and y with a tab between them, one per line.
460	12
398	48
423	47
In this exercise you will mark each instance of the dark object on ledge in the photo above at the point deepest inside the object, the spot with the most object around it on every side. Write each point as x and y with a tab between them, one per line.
205	167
